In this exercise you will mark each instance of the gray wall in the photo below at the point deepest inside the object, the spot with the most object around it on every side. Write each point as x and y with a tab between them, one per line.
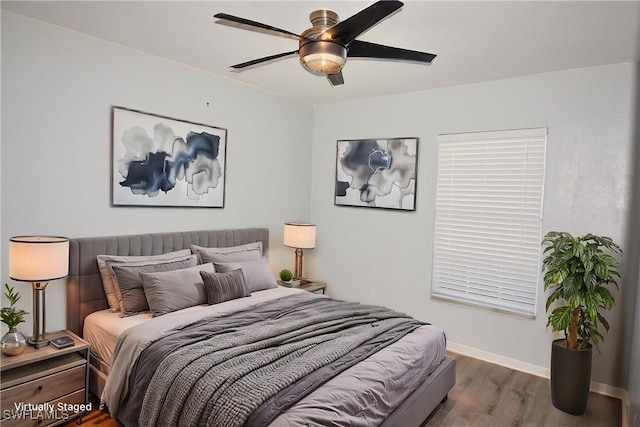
634	371
58	87
632	283
366	252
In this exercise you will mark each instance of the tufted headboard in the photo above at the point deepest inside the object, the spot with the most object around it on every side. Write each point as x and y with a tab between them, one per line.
85	293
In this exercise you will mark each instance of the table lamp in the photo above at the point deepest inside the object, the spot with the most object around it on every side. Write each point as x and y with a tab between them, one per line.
38	259
299	235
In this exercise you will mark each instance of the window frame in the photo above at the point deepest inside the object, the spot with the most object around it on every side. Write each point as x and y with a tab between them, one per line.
469	277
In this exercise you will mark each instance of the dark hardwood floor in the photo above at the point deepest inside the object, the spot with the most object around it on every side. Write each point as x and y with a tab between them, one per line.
495	396
488	395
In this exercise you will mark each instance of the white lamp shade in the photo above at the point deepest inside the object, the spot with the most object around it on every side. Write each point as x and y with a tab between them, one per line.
38	258
300	235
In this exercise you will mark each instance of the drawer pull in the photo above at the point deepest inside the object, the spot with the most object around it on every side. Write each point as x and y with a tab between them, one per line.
39	388
40	421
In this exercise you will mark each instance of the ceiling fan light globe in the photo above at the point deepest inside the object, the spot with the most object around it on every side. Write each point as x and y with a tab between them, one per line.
323	57
322	64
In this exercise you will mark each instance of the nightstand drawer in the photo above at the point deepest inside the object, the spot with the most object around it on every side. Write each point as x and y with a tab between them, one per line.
16	418
45	389
44	377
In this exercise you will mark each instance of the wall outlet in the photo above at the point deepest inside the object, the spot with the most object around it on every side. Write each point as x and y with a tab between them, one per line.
372	293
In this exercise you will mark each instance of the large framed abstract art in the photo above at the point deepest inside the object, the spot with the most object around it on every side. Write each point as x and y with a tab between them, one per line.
377	173
159	161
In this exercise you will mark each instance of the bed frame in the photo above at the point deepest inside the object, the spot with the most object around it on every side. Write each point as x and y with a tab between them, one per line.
85	295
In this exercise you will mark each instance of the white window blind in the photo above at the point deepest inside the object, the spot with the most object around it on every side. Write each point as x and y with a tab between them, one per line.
488	218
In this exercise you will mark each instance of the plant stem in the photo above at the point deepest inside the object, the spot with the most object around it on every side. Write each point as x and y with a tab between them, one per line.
573	329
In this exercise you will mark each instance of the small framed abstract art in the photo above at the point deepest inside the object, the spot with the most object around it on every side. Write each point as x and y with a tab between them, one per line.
377	173
159	161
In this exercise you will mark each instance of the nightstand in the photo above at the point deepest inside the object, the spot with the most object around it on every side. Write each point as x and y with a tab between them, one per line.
47	386
314	286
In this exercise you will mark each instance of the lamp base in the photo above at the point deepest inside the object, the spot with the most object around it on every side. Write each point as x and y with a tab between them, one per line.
39	338
297	273
38	343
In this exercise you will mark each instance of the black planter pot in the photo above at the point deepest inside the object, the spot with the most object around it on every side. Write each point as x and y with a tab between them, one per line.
570	377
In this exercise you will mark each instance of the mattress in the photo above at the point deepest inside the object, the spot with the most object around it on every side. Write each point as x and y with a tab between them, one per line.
362	395
103	328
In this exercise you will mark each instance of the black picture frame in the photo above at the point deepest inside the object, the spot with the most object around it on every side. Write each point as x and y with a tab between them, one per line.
162	161
377	173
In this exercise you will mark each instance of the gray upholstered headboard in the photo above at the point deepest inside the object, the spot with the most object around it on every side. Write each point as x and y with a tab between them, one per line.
85	293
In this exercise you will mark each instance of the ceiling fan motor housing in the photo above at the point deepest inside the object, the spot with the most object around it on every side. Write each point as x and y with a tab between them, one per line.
323	48
321	57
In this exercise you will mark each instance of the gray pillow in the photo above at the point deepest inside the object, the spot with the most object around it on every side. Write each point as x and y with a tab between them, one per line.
257	274
111	289
134	300
174	290
221	287
246	252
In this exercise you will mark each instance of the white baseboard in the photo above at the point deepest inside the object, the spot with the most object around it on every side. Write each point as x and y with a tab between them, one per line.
609	390
496	359
625	409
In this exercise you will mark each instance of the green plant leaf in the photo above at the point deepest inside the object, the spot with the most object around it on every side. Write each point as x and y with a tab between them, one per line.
560	275
553	296
604	322
578	271
12	296
591	306
602	271
560	318
574	301
10	316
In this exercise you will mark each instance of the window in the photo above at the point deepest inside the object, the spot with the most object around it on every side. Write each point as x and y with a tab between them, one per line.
487	234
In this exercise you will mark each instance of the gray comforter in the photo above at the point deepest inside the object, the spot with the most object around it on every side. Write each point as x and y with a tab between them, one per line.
248	367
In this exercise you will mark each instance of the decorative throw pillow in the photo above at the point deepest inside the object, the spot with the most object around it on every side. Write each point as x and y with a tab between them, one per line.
174	290
134	300
221	287
108	278
257	274
247	252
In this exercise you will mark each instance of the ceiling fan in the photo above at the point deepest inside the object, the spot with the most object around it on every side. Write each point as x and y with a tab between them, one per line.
325	47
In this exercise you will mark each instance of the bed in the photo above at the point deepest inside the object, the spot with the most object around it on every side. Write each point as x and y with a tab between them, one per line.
411	372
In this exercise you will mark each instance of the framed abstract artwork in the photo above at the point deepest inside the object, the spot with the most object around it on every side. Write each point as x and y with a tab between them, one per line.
377	173
159	161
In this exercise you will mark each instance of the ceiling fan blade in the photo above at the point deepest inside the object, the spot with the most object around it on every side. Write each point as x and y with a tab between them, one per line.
346	31
243	21
265	59
360	49
335	79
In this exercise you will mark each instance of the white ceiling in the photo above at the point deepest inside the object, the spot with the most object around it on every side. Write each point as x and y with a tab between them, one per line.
475	41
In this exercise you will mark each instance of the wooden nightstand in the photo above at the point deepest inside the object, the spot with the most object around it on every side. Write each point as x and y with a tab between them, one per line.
54	382
314	286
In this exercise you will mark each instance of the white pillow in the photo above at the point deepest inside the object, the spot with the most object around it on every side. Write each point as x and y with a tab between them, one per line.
246	252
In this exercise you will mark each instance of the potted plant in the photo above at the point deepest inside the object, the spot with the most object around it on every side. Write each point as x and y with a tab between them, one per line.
578	272
13	342
285	275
